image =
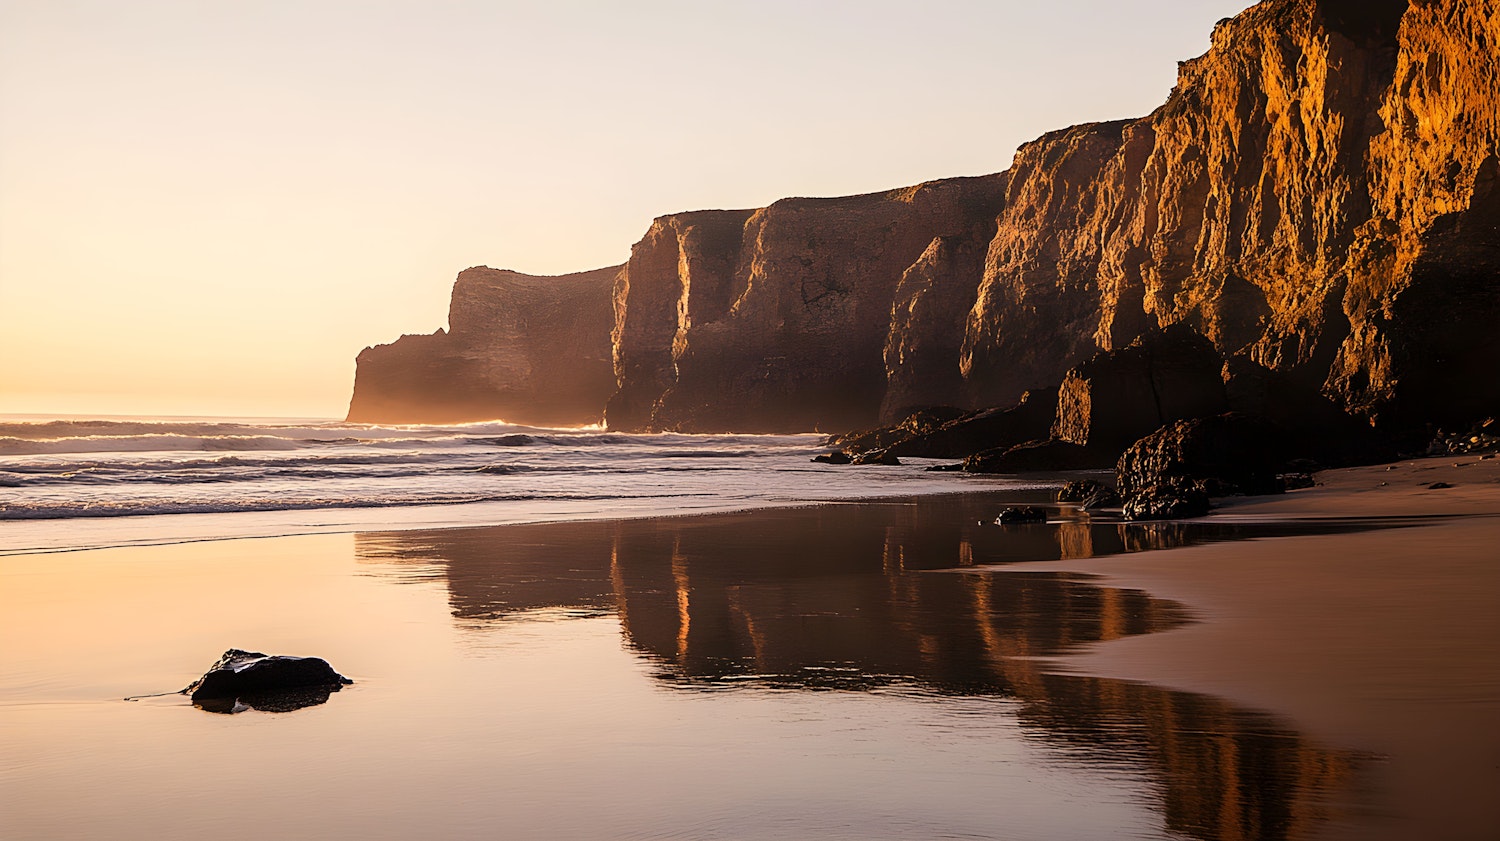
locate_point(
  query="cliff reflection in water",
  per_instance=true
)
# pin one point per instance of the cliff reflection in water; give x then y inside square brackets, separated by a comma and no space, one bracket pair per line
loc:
[864,596]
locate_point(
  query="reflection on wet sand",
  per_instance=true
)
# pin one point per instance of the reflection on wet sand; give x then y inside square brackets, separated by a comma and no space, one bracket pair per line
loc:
[887,596]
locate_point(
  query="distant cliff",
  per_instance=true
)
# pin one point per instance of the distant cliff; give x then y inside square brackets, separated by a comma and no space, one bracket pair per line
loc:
[1320,196]
[531,350]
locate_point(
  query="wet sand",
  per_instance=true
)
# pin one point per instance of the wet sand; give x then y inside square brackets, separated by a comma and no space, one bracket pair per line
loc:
[1384,641]
[837,671]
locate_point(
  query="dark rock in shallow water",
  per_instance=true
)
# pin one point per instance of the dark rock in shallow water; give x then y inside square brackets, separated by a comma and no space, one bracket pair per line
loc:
[1439,486]
[1025,514]
[885,457]
[835,457]
[1105,498]
[1173,501]
[944,432]
[275,683]
[1093,494]
[1039,455]
[1028,420]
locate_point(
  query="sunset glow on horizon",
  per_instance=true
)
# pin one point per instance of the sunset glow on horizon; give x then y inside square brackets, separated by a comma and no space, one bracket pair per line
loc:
[209,209]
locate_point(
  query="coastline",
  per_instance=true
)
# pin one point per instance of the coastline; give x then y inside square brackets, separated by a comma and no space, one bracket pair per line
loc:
[1384,641]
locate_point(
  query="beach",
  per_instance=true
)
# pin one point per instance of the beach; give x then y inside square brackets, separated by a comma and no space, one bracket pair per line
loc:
[880,669]
[1384,641]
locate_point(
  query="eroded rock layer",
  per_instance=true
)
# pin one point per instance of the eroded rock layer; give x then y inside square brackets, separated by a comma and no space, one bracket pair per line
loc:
[521,348]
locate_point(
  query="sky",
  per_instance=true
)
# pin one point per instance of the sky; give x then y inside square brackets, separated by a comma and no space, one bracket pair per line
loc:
[209,207]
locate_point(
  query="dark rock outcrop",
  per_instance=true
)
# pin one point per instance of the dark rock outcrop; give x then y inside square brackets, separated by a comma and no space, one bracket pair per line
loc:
[883,457]
[1089,494]
[1022,514]
[1118,396]
[948,433]
[274,683]
[1039,456]
[525,349]
[1229,453]
[1169,501]
[917,425]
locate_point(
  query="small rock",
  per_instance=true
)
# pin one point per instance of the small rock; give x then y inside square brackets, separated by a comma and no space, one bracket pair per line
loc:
[1022,514]
[273,682]
[1438,486]
[946,468]
[835,457]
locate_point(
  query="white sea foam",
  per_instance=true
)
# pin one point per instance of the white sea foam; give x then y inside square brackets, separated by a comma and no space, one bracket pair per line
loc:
[60,480]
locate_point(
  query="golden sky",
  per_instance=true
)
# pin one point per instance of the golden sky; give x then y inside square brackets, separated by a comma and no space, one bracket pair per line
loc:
[210,207]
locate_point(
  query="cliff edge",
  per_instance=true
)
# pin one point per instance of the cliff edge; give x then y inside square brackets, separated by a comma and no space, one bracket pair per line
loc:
[522,348]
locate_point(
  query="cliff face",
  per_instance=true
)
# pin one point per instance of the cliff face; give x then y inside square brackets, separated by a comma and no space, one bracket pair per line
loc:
[778,318]
[526,349]
[1318,194]
[1319,197]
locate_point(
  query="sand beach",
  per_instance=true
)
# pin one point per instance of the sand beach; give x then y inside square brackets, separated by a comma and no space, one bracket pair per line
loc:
[1385,641]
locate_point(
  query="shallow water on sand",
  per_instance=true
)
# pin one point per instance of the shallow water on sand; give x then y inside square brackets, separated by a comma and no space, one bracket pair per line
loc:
[846,671]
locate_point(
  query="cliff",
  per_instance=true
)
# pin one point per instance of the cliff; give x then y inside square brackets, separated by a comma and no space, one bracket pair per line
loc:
[1319,197]
[777,319]
[526,349]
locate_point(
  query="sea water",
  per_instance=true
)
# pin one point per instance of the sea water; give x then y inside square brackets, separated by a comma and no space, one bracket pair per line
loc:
[89,483]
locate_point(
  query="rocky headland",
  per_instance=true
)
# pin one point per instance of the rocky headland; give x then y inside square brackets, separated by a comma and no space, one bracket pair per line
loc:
[532,350]
[1307,233]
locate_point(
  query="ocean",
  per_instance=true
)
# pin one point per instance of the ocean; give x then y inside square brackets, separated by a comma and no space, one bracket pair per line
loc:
[92,483]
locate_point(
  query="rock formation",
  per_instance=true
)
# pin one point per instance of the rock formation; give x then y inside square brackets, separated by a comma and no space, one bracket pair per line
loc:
[779,319]
[1319,197]
[1119,396]
[1317,194]
[273,683]
[526,349]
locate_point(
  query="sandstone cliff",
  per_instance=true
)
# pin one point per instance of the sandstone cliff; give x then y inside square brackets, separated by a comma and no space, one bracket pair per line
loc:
[1318,194]
[776,319]
[526,349]
[1319,197]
